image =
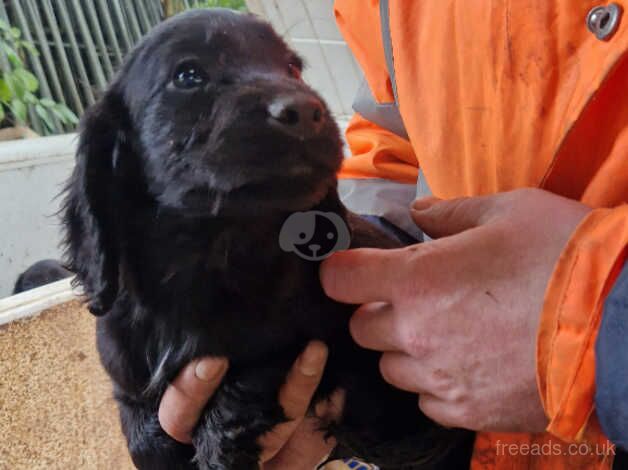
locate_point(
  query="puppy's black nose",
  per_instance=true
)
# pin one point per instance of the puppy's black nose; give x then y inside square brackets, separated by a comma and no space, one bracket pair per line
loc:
[299,116]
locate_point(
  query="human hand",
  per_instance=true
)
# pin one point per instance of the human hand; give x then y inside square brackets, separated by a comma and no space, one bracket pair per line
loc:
[295,444]
[457,318]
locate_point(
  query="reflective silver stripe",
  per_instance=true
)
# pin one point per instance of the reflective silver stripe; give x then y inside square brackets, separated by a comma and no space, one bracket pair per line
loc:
[422,188]
[384,18]
[380,197]
[385,115]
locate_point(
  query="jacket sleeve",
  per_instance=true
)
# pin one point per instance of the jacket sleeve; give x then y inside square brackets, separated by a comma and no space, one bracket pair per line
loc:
[582,279]
[611,356]
[380,175]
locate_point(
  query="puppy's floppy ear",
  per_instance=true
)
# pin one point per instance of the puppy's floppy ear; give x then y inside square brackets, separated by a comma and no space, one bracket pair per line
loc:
[90,210]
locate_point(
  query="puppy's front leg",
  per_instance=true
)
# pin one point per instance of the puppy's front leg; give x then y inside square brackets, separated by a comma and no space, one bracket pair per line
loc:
[244,408]
[150,447]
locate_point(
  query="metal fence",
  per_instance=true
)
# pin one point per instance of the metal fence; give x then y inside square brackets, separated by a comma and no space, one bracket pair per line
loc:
[81,43]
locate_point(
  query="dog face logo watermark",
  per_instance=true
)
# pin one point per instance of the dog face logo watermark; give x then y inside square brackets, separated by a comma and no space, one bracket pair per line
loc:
[314,235]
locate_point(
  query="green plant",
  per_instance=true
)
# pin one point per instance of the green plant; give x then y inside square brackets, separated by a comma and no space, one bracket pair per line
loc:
[233,4]
[18,86]
[174,6]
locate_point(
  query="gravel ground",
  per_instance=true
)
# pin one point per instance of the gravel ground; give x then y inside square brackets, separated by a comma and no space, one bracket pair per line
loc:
[56,409]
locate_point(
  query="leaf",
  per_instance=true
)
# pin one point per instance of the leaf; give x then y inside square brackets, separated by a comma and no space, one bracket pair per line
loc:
[2,113]
[47,102]
[59,115]
[30,48]
[12,55]
[29,80]
[65,114]
[5,91]
[30,98]
[6,47]
[18,109]
[45,116]
[15,33]
[15,61]
[16,86]
[4,26]
[70,116]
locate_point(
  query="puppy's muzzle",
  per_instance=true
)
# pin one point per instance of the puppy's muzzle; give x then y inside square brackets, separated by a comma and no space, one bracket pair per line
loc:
[299,115]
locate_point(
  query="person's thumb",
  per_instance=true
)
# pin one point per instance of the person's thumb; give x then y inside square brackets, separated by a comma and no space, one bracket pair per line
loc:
[185,398]
[439,218]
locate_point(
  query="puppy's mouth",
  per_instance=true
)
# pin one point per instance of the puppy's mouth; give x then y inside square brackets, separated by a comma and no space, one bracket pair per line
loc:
[295,190]
[249,181]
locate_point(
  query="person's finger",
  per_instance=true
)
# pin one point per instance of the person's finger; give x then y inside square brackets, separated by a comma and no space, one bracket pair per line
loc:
[362,275]
[183,401]
[440,218]
[295,397]
[412,375]
[305,449]
[440,411]
[307,446]
[373,326]
[303,378]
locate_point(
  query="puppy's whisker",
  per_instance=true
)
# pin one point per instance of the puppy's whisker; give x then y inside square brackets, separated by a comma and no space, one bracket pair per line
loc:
[193,136]
[216,203]
[157,374]
[185,143]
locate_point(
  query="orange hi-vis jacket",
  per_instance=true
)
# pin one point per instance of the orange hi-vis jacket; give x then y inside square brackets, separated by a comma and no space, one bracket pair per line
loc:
[496,96]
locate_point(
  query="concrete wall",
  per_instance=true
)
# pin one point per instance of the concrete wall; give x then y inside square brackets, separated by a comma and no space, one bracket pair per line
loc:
[32,173]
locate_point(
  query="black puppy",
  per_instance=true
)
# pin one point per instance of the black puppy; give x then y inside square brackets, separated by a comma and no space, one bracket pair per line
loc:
[187,168]
[39,274]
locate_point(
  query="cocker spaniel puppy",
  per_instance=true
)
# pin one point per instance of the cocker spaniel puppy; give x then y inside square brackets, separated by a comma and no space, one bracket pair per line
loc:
[202,147]
[39,274]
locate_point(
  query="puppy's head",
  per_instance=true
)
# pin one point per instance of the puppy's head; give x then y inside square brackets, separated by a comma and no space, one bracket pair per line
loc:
[208,117]
[223,122]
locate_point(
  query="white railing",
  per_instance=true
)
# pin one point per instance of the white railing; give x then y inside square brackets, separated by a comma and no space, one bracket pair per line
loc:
[35,301]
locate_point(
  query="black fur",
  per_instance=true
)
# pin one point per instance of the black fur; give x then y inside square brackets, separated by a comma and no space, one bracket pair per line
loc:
[173,216]
[39,274]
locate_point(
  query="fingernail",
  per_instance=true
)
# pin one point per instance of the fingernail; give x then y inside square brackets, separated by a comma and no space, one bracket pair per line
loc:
[209,369]
[313,359]
[424,203]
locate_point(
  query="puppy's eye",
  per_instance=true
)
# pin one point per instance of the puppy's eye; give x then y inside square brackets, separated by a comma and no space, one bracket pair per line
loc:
[295,71]
[189,75]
